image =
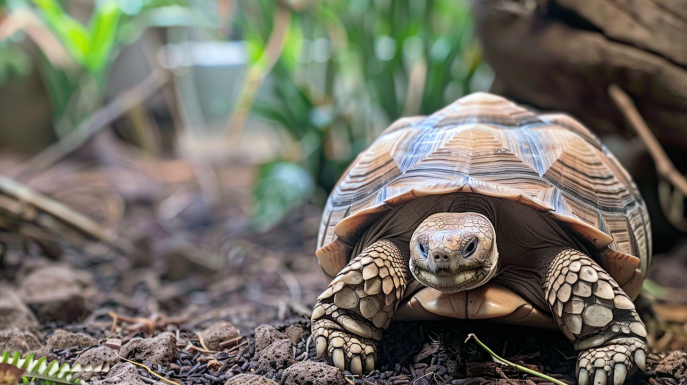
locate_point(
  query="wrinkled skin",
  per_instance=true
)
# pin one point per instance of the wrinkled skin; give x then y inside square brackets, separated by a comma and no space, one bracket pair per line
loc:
[453,252]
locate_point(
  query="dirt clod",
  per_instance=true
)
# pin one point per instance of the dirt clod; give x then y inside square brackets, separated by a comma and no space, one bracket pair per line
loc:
[55,293]
[265,335]
[18,341]
[675,365]
[218,333]
[94,357]
[61,339]
[121,374]
[159,350]
[276,356]
[14,314]
[314,373]
[249,379]
[295,333]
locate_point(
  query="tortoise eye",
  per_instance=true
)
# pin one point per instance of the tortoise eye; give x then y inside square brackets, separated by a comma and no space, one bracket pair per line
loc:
[470,248]
[423,249]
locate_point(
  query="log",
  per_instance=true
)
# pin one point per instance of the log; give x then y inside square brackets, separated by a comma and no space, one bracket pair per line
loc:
[564,54]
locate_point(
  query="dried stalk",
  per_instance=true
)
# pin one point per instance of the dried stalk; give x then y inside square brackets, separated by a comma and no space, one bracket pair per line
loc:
[163,379]
[664,166]
[99,120]
[257,73]
[27,195]
[516,366]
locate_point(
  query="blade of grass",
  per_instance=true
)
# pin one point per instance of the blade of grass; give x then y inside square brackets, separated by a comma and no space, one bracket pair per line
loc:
[149,370]
[516,366]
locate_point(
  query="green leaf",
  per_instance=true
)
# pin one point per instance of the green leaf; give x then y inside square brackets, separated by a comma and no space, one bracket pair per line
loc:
[72,33]
[281,187]
[47,373]
[14,63]
[103,31]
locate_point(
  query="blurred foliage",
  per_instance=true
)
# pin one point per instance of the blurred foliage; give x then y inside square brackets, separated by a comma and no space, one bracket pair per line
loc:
[281,187]
[14,63]
[330,74]
[75,73]
[351,67]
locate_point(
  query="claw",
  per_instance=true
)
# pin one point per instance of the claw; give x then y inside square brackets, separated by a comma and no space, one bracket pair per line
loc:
[369,363]
[583,377]
[320,346]
[601,377]
[338,359]
[620,374]
[640,359]
[356,365]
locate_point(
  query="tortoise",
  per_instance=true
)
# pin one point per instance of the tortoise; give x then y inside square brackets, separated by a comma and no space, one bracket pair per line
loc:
[410,232]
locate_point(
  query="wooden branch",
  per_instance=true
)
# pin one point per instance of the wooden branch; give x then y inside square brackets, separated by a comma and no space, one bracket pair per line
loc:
[96,122]
[664,166]
[27,195]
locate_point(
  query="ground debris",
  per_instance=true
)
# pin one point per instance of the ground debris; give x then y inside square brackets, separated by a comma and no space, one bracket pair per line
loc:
[238,316]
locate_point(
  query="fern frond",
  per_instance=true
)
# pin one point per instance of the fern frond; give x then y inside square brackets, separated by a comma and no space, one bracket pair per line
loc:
[46,372]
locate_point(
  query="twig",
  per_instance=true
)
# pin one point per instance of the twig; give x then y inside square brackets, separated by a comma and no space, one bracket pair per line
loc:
[664,166]
[96,122]
[231,342]
[202,343]
[29,196]
[516,366]
[149,371]
[191,346]
[147,325]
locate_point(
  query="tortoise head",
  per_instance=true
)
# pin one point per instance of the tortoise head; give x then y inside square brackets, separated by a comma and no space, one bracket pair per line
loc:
[452,252]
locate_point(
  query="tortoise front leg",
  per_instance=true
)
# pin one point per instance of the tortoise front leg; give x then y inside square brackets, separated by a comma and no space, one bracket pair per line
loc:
[359,303]
[597,316]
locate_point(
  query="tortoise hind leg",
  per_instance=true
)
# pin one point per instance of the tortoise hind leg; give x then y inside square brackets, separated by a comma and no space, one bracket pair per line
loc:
[358,304]
[594,312]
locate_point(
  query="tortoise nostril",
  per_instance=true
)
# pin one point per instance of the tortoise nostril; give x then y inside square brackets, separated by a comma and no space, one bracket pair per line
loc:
[445,258]
[437,257]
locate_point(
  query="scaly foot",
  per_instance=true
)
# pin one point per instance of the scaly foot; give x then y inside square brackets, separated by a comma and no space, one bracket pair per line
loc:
[614,360]
[347,350]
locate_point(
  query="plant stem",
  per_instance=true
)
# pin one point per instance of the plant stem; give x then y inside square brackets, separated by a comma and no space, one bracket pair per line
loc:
[516,366]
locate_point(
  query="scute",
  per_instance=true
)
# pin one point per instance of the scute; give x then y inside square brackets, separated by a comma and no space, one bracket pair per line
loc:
[485,144]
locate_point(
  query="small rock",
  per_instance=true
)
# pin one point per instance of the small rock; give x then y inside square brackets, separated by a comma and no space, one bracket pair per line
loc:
[46,352]
[113,343]
[121,374]
[276,356]
[311,372]
[295,333]
[265,335]
[61,339]
[14,314]
[159,350]
[95,357]
[18,341]
[249,379]
[218,333]
[56,293]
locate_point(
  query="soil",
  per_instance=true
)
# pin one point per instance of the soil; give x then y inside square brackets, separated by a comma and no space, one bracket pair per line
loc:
[202,299]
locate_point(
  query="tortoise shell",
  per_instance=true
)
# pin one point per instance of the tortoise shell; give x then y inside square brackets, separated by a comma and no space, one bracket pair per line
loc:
[485,144]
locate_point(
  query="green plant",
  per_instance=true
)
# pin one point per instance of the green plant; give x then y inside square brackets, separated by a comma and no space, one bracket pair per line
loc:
[31,371]
[75,72]
[350,67]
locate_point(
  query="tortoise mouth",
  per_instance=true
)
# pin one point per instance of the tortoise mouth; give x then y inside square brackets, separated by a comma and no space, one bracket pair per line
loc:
[457,281]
